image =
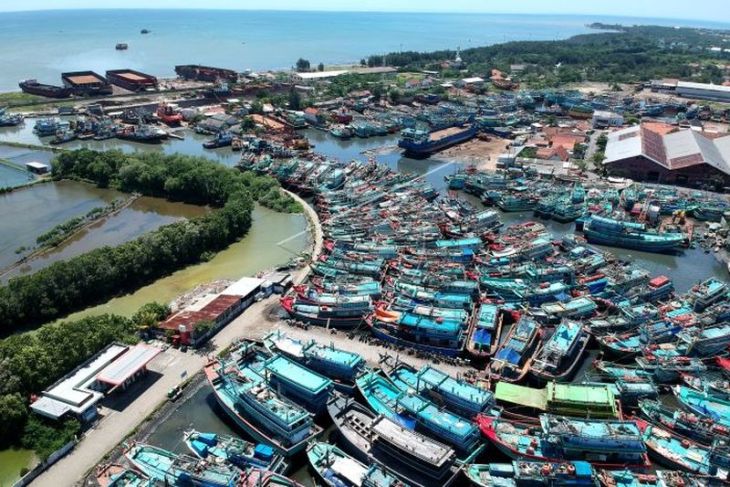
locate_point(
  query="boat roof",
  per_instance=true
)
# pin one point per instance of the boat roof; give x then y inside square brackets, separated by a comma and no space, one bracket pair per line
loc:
[292,372]
[463,390]
[331,354]
[521,395]
[422,447]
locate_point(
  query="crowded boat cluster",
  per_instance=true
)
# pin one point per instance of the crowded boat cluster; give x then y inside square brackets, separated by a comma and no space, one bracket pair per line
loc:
[438,278]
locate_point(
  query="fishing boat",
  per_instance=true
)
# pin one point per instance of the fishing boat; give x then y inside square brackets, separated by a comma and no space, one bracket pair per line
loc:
[514,357]
[594,400]
[420,143]
[337,469]
[617,233]
[669,369]
[708,293]
[680,453]
[114,475]
[577,308]
[660,478]
[613,371]
[561,354]
[343,313]
[257,477]
[712,384]
[259,411]
[221,139]
[485,331]
[10,119]
[416,459]
[169,114]
[415,412]
[163,466]
[436,335]
[298,383]
[703,405]
[706,341]
[525,473]
[341,366]
[456,394]
[605,443]
[699,428]
[141,133]
[233,450]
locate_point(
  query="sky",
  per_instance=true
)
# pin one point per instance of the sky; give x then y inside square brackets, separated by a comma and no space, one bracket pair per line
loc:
[714,10]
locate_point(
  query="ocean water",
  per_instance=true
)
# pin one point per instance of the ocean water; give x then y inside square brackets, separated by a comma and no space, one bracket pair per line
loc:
[44,44]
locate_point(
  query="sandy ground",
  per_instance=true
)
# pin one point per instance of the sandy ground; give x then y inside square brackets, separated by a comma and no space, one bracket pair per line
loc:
[170,368]
[477,152]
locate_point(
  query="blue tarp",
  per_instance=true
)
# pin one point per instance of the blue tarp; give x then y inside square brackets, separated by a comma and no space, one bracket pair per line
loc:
[483,337]
[509,355]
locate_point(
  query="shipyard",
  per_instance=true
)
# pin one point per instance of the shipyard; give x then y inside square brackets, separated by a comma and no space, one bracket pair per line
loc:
[460,267]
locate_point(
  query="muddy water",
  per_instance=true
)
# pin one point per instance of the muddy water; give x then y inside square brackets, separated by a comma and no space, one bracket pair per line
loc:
[259,250]
[142,216]
[27,213]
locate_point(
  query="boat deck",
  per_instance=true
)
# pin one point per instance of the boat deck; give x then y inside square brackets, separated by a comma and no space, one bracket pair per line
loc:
[292,372]
[426,449]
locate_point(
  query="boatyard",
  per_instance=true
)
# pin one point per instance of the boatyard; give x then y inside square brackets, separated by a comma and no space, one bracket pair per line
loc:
[435,273]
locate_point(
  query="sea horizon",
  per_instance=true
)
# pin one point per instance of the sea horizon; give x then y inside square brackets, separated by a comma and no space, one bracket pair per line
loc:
[41,44]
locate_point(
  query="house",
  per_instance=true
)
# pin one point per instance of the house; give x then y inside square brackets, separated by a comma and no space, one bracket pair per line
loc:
[557,153]
[661,153]
[202,318]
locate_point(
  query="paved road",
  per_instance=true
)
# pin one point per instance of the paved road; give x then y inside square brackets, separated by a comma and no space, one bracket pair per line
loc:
[173,368]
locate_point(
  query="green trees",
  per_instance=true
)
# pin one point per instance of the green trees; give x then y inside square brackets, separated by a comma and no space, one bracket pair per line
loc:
[303,65]
[295,100]
[30,362]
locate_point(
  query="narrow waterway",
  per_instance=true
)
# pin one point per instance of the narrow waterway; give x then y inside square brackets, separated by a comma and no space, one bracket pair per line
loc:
[273,239]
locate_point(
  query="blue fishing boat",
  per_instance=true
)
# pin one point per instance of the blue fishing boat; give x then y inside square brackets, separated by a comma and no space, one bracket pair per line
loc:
[681,453]
[298,383]
[435,335]
[233,450]
[456,394]
[414,412]
[702,429]
[703,405]
[257,409]
[535,474]
[708,293]
[420,143]
[115,475]
[513,359]
[485,331]
[660,478]
[706,341]
[342,366]
[166,467]
[561,354]
[617,233]
[605,443]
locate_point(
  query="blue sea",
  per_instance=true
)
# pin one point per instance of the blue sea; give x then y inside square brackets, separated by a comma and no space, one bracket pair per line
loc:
[43,44]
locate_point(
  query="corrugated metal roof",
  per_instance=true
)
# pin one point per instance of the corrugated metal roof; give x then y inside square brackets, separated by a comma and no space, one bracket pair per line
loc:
[128,364]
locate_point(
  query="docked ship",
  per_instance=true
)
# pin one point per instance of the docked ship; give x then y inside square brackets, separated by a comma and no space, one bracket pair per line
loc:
[458,395]
[366,435]
[230,449]
[141,133]
[221,139]
[421,143]
[337,469]
[519,473]
[166,467]
[561,354]
[341,366]
[485,332]
[33,87]
[514,357]
[258,410]
[169,114]
[338,312]
[605,443]
[630,235]
[415,412]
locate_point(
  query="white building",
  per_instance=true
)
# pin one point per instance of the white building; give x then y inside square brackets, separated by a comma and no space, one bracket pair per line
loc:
[703,91]
[603,119]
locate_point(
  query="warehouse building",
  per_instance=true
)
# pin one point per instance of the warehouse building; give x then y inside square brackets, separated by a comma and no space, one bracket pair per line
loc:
[202,318]
[703,91]
[78,392]
[660,153]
